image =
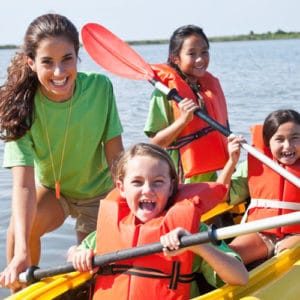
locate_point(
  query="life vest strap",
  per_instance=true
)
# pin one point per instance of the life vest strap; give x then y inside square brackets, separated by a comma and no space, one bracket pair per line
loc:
[274,204]
[268,203]
[174,277]
[184,140]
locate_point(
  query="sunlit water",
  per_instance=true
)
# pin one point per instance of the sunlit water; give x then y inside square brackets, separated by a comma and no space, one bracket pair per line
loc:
[257,77]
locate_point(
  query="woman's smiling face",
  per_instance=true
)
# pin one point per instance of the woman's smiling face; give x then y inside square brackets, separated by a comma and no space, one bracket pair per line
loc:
[55,64]
[146,187]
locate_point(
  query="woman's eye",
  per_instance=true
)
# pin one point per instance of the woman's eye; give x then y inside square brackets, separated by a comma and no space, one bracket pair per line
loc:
[68,58]
[46,62]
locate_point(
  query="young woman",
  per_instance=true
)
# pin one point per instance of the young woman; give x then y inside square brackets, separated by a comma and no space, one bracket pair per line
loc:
[149,205]
[62,133]
[270,193]
[196,148]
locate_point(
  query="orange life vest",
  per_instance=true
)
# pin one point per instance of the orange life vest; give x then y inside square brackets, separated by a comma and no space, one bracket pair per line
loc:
[202,149]
[271,194]
[117,228]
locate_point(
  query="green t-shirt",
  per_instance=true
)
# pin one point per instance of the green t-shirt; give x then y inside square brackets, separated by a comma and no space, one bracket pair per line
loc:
[94,120]
[161,116]
[199,264]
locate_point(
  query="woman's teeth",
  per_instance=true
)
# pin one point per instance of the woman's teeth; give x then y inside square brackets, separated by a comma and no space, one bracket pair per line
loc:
[59,82]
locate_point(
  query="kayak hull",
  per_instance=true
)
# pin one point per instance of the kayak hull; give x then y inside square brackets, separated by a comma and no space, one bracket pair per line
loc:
[52,287]
[276,278]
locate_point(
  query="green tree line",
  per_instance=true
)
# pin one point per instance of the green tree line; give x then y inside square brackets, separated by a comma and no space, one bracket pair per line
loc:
[279,34]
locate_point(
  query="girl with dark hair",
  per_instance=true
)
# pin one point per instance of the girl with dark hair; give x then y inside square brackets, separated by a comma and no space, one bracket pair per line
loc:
[270,193]
[197,149]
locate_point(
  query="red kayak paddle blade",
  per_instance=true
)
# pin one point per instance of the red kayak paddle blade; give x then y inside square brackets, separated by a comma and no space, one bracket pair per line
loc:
[113,54]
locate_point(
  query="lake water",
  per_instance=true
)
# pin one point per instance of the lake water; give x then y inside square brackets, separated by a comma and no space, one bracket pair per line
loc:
[257,77]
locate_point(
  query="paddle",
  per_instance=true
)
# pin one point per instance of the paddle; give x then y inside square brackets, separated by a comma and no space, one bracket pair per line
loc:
[119,58]
[34,274]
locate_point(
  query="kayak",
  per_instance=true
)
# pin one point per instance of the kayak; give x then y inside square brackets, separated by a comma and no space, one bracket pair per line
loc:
[55,287]
[272,279]
[276,278]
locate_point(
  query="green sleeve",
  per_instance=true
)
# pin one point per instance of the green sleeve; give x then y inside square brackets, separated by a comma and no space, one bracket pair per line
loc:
[160,113]
[239,189]
[18,153]
[89,242]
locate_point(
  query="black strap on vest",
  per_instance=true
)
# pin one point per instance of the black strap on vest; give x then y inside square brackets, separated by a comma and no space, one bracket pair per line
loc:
[184,140]
[174,277]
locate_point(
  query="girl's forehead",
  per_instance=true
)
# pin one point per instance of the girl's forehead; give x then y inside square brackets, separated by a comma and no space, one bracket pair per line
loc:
[194,40]
[145,162]
[145,159]
[288,128]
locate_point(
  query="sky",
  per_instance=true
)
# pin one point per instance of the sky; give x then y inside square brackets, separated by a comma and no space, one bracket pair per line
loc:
[155,19]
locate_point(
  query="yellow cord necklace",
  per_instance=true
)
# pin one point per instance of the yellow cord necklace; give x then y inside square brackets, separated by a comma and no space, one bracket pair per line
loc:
[57,178]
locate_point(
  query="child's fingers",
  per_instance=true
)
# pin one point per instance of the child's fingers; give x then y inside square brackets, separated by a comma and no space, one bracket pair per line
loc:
[71,252]
[170,241]
[82,261]
[89,259]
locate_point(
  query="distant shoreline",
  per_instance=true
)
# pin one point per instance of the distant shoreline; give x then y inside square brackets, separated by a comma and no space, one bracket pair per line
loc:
[278,35]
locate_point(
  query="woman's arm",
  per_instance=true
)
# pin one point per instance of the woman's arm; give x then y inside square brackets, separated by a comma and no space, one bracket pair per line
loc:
[23,213]
[113,148]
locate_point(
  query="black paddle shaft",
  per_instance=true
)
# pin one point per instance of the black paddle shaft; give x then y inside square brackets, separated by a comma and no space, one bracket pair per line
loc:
[34,274]
[212,235]
[173,94]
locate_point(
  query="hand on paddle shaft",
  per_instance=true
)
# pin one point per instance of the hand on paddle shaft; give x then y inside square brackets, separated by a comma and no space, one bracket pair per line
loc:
[213,235]
[117,57]
[173,94]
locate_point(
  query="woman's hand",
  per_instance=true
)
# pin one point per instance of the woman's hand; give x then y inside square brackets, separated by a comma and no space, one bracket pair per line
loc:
[9,278]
